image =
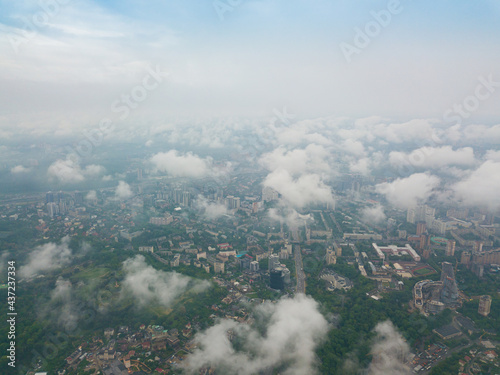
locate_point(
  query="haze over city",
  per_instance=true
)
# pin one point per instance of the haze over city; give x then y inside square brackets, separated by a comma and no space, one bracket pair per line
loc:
[249,187]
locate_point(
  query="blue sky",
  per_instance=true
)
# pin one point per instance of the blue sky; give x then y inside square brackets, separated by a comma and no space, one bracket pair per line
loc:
[261,55]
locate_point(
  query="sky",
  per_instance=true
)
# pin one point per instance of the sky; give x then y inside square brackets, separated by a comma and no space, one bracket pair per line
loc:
[72,61]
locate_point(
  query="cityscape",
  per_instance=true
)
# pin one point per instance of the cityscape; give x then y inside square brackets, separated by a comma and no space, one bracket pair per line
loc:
[249,187]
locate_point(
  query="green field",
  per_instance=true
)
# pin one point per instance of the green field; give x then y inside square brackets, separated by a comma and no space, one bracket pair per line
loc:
[423,271]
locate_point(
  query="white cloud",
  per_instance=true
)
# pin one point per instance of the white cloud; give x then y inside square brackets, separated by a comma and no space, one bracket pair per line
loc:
[19,169]
[148,284]
[481,187]
[91,195]
[411,131]
[376,128]
[353,147]
[407,192]
[289,216]
[47,257]
[187,165]
[301,191]
[69,171]
[492,155]
[64,309]
[433,157]
[361,166]
[389,351]
[210,210]
[123,190]
[288,334]
[373,215]
[313,158]
[482,133]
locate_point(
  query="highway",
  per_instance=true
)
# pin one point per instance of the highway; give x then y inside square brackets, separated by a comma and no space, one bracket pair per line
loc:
[299,270]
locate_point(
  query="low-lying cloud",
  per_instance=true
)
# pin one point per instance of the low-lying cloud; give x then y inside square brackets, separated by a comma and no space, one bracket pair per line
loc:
[123,190]
[47,257]
[289,216]
[433,157]
[285,334]
[374,215]
[69,171]
[389,351]
[187,165]
[210,210]
[407,192]
[301,191]
[481,187]
[148,285]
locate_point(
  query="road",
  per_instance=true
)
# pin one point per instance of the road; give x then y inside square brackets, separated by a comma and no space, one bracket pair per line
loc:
[448,353]
[299,270]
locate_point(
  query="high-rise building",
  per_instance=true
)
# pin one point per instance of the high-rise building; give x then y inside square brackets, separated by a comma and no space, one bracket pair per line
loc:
[49,197]
[421,227]
[288,247]
[487,257]
[52,209]
[269,194]
[331,258]
[219,266]
[254,266]
[450,248]
[276,279]
[186,198]
[178,195]
[477,247]
[439,226]
[78,198]
[423,242]
[421,213]
[244,262]
[484,305]
[465,258]
[286,275]
[232,202]
[449,293]
[411,215]
[274,261]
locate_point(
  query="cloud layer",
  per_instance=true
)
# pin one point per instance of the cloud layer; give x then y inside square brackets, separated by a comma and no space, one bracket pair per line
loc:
[407,192]
[148,285]
[289,332]
[123,190]
[389,351]
[183,165]
[69,171]
[373,215]
[481,187]
[47,257]
[210,210]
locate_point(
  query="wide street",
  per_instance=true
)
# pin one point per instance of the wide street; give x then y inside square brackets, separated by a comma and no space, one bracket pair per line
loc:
[299,268]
